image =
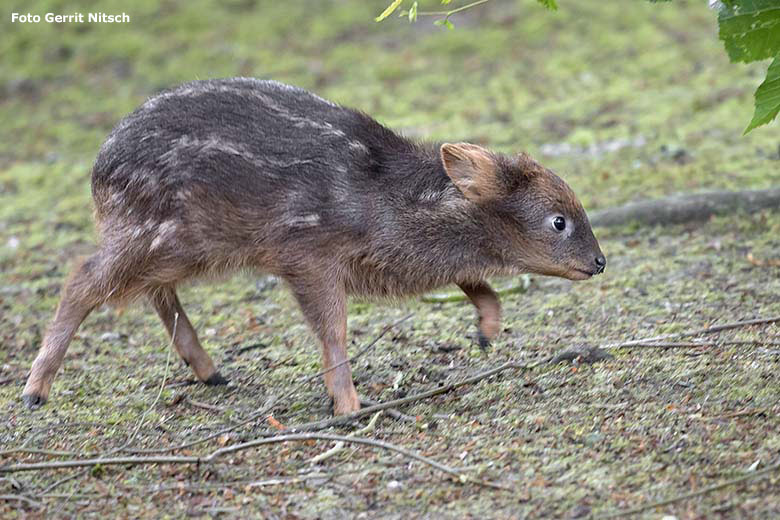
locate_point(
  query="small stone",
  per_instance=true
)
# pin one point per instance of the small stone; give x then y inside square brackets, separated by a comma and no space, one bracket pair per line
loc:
[593,439]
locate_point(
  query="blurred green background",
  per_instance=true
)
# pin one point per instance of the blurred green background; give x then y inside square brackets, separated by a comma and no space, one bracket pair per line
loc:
[625,99]
[626,102]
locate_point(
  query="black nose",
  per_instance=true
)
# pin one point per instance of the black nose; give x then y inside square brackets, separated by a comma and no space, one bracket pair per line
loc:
[601,262]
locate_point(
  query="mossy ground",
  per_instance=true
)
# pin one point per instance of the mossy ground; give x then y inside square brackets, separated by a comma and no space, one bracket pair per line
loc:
[626,103]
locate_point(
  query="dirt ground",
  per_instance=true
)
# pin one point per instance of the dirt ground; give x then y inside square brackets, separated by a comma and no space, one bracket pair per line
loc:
[624,104]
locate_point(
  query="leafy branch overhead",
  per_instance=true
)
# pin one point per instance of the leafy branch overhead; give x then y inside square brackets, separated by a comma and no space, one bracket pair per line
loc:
[750,30]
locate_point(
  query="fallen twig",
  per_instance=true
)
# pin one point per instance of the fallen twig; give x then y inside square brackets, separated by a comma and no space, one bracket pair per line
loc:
[694,344]
[37,451]
[511,288]
[392,412]
[686,334]
[693,494]
[61,481]
[361,352]
[260,413]
[21,498]
[340,445]
[109,461]
[204,406]
[344,419]
[271,402]
[685,208]
[159,392]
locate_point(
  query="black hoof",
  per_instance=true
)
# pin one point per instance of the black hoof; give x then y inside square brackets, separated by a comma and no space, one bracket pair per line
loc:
[33,401]
[216,379]
[484,343]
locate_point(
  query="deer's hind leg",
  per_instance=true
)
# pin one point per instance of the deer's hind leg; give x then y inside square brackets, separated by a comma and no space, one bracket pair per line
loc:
[185,339]
[84,290]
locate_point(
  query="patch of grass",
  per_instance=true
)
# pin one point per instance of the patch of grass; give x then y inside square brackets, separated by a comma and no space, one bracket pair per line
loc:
[626,104]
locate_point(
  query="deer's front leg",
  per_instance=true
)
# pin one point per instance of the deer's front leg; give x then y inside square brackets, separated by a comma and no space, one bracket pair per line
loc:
[325,308]
[488,307]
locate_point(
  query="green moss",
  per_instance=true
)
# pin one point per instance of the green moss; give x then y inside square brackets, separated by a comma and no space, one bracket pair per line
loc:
[626,104]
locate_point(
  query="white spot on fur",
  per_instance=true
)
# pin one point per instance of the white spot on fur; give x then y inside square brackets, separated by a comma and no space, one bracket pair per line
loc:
[303,221]
[358,146]
[137,232]
[189,145]
[163,231]
[429,196]
[116,199]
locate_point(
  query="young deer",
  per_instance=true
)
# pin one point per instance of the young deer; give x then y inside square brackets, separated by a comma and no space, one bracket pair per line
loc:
[220,175]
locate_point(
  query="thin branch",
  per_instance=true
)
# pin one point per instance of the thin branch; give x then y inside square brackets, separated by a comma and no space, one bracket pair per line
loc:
[448,297]
[159,392]
[21,498]
[447,14]
[272,402]
[694,344]
[309,427]
[37,451]
[693,494]
[204,406]
[707,330]
[345,419]
[340,445]
[361,352]
[392,412]
[61,481]
[296,437]
[269,404]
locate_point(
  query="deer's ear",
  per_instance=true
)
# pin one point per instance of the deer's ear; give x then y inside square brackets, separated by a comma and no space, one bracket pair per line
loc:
[527,166]
[473,170]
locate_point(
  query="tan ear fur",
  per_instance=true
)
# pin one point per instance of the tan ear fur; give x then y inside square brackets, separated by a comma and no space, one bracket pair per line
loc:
[472,169]
[527,165]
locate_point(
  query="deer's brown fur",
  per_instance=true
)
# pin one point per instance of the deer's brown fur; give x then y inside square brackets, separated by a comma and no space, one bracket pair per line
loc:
[221,175]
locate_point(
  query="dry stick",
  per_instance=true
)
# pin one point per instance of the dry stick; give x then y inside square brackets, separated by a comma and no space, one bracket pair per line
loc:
[204,406]
[362,351]
[75,463]
[159,392]
[334,421]
[61,481]
[448,297]
[510,365]
[694,344]
[693,494]
[53,453]
[271,402]
[707,330]
[340,445]
[395,414]
[21,498]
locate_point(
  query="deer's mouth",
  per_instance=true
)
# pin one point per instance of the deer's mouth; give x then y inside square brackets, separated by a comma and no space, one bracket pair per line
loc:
[579,274]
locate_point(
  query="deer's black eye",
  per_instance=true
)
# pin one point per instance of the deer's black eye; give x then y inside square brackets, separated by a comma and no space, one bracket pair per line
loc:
[559,223]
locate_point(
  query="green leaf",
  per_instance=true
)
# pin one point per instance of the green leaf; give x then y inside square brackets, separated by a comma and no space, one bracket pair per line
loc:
[549,4]
[445,2]
[750,29]
[767,97]
[387,12]
[413,13]
[445,22]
